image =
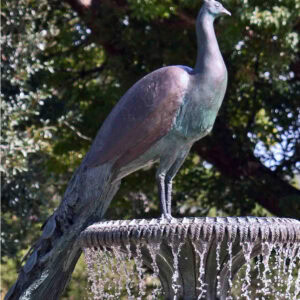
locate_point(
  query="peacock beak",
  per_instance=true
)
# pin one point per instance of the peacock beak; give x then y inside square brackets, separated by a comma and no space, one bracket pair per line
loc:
[225,11]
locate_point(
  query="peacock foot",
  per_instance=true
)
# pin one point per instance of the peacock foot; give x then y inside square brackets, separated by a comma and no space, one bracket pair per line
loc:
[167,217]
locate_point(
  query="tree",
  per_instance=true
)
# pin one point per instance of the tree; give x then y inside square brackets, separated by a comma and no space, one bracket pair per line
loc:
[66,64]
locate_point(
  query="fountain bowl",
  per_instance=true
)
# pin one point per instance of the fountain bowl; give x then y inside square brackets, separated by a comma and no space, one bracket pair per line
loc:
[196,258]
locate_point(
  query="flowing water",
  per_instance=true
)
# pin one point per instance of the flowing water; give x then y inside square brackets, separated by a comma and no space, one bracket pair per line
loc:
[121,273]
[194,258]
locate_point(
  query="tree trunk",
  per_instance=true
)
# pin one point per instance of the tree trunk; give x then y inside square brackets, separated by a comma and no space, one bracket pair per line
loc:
[240,165]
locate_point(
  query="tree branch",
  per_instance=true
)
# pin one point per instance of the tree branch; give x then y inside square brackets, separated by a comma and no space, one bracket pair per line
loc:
[79,134]
[266,188]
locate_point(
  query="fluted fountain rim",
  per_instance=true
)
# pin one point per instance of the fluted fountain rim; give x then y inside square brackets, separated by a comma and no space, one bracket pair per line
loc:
[247,229]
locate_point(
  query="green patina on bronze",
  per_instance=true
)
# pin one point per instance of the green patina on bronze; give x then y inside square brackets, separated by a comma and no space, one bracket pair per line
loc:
[163,114]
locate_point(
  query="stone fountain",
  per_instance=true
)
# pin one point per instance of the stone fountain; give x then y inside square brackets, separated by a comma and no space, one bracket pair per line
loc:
[198,258]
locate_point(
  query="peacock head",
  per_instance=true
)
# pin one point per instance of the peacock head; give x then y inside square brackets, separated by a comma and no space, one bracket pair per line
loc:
[215,8]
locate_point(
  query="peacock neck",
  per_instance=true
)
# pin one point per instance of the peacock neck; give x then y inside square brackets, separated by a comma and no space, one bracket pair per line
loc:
[208,48]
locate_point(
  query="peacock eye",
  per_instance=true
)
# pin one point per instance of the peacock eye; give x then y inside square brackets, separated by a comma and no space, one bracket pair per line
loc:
[217,4]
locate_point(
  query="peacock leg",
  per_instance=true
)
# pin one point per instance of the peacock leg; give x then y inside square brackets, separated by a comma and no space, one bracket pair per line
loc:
[168,187]
[169,178]
[160,177]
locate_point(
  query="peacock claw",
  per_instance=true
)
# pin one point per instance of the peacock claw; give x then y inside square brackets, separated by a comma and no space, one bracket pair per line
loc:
[167,217]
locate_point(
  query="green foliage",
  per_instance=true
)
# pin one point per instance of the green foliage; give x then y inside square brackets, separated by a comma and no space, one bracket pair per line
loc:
[148,10]
[63,73]
[78,288]
[9,267]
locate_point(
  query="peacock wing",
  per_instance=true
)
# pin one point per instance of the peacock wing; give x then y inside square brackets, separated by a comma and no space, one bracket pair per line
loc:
[143,115]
